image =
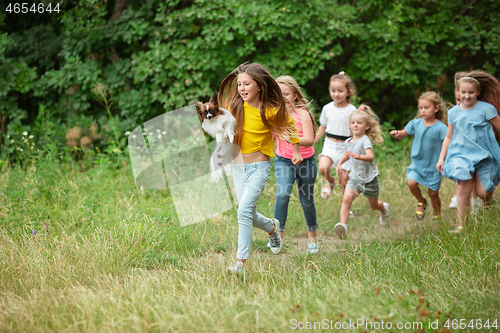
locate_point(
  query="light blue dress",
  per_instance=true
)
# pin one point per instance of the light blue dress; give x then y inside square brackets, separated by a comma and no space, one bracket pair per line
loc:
[425,152]
[473,146]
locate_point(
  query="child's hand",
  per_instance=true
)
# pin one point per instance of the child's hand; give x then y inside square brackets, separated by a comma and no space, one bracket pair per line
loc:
[395,134]
[297,158]
[439,165]
[352,154]
[338,169]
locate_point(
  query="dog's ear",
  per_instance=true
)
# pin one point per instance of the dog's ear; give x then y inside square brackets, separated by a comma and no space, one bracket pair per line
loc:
[214,99]
[198,106]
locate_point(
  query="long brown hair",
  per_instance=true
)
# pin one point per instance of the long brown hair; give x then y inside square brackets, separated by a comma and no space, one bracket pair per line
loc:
[301,101]
[270,97]
[488,86]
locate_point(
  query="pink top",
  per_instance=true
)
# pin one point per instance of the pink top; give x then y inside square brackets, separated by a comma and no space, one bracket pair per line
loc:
[284,149]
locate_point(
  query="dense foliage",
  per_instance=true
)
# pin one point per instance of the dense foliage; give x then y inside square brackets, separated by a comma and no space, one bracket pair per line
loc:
[155,56]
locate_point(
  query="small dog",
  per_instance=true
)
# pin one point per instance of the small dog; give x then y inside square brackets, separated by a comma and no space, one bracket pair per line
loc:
[220,124]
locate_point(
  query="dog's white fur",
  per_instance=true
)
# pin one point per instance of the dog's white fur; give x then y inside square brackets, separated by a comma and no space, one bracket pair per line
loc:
[222,129]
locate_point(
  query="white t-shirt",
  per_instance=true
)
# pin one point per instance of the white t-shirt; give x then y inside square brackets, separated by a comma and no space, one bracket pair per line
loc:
[336,120]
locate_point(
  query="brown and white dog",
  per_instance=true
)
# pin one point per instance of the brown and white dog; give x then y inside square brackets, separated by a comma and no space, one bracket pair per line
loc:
[220,124]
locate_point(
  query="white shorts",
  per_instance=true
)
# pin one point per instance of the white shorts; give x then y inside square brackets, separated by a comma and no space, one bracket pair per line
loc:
[334,150]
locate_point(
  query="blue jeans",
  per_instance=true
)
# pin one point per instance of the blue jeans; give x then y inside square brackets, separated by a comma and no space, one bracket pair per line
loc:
[286,173]
[249,181]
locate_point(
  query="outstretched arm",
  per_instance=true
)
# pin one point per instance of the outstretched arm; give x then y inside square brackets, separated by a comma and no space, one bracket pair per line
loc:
[401,134]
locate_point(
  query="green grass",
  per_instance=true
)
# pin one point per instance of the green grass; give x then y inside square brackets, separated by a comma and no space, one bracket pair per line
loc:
[85,250]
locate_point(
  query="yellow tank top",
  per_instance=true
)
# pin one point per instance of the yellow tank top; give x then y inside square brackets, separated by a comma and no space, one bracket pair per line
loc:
[256,136]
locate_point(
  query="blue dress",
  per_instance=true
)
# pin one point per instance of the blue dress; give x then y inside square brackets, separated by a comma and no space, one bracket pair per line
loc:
[473,146]
[425,152]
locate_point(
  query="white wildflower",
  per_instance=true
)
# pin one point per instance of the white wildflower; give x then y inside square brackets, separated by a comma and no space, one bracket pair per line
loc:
[25,133]
[127,133]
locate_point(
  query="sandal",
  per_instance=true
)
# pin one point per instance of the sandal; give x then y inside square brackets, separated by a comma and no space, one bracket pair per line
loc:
[327,190]
[419,214]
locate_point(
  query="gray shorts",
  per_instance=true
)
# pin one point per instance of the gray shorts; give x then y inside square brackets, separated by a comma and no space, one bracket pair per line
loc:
[369,190]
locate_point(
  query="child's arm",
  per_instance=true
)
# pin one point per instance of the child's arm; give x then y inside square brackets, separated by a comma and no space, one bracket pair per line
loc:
[320,134]
[296,157]
[307,139]
[399,134]
[495,121]
[339,165]
[368,157]
[444,148]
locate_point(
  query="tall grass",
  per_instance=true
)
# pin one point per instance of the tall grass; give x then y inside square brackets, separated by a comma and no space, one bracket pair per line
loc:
[83,249]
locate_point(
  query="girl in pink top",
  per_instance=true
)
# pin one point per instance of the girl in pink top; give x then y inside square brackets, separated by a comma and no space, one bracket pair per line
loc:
[305,173]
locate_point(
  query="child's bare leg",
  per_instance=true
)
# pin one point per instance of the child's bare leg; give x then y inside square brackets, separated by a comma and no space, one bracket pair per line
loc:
[415,190]
[480,191]
[376,204]
[312,236]
[324,165]
[349,196]
[343,179]
[436,201]
[464,189]
[474,182]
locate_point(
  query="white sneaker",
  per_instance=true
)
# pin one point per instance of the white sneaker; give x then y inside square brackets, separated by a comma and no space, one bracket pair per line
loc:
[351,214]
[384,218]
[341,230]
[275,239]
[238,268]
[453,203]
[456,231]
[476,203]
[313,248]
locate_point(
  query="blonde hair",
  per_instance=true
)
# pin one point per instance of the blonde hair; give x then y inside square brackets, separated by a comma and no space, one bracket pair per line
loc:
[374,132]
[270,97]
[301,101]
[435,99]
[351,88]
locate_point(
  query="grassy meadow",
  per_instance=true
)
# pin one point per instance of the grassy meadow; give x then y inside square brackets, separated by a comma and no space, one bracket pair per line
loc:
[82,249]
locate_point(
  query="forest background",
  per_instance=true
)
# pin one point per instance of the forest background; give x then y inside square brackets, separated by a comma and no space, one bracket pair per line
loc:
[85,75]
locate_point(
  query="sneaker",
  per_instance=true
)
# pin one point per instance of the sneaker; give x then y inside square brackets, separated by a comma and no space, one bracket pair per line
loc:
[456,231]
[351,214]
[312,248]
[275,239]
[341,230]
[476,203]
[453,203]
[384,218]
[238,268]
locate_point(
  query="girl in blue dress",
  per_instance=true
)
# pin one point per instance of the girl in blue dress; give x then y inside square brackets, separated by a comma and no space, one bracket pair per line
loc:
[470,150]
[429,131]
